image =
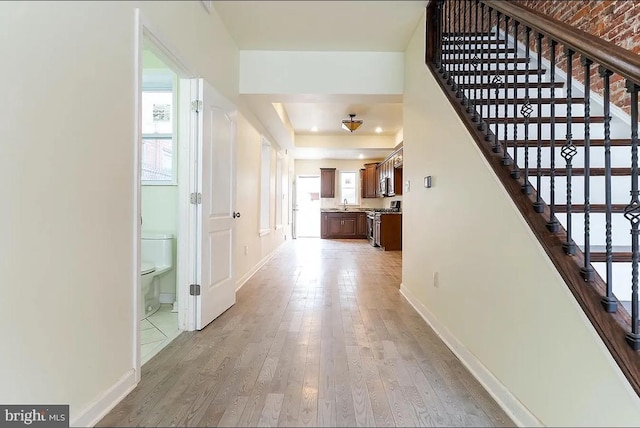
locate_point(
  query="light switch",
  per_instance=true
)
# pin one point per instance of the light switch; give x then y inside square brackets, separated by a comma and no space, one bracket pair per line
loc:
[427,182]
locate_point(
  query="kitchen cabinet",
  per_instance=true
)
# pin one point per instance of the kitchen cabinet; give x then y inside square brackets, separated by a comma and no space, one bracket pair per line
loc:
[340,225]
[327,182]
[390,170]
[362,225]
[370,181]
[387,231]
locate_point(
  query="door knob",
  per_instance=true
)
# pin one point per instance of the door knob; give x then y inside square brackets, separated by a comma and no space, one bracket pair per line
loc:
[236,215]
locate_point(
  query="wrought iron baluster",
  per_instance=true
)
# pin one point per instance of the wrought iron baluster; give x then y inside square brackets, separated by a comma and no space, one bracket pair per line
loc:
[464,76]
[475,63]
[480,102]
[632,213]
[487,73]
[439,40]
[568,151]
[609,302]
[538,205]
[447,55]
[526,111]
[506,160]
[552,224]
[450,38]
[457,45]
[515,172]
[496,82]
[587,271]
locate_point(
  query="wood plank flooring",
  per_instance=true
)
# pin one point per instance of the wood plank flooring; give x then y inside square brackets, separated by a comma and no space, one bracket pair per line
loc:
[320,336]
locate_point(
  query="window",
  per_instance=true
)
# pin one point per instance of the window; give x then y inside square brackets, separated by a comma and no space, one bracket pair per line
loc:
[158,149]
[265,188]
[279,190]
[348,186]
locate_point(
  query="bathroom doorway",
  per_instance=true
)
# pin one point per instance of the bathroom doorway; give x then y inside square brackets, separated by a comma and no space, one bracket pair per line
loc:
[159,207]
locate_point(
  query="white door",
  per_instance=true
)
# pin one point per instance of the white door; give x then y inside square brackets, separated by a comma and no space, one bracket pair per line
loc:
[216,217]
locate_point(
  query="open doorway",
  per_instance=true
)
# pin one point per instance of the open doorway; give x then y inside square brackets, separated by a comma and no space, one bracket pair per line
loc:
[159,196]
[307,210]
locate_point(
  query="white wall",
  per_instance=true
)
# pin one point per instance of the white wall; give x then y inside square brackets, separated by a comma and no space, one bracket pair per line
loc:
[499,297]
[159,206]
[66,167]
[258,248]
[293,72]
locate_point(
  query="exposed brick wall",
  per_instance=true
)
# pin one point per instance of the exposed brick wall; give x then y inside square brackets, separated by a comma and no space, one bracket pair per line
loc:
[616,21]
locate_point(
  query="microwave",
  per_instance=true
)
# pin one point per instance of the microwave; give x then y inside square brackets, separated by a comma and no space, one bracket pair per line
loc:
[383,186]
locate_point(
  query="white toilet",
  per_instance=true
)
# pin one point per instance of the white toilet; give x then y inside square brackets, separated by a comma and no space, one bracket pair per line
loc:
[157,259]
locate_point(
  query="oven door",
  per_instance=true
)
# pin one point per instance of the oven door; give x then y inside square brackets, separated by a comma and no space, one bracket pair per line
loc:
[370,228]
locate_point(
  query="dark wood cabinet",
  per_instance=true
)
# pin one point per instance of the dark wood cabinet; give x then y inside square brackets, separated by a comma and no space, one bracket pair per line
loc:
[387,231]
[370,181]
[337,225]
[362,225]
[390,170]
[327,182]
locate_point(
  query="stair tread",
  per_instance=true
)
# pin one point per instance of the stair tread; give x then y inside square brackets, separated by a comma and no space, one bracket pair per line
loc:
[576,172]
[545,119]
[534,101]
[532,86]
[593,208]
[493,60]
[594,142]
[518,72]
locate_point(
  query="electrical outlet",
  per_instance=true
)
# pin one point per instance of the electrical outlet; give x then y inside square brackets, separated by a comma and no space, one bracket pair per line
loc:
[246,250]
[436,279]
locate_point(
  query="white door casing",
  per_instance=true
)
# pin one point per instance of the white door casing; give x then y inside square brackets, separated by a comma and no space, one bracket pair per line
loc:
[215,272]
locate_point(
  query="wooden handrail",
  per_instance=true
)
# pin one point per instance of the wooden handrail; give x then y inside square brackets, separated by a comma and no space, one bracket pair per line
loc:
[616,59]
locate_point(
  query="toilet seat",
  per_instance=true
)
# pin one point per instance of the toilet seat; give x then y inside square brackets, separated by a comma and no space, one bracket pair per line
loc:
[147,267]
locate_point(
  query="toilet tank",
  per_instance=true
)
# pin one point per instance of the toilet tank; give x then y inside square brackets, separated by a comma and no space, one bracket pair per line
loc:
[157,248]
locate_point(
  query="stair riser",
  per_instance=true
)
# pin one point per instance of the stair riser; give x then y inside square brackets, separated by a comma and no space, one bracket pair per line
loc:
[596,131]
[510,78]
[619,228]
[621,278]
[577,110]
[620,186]
[620,156]
[485,93]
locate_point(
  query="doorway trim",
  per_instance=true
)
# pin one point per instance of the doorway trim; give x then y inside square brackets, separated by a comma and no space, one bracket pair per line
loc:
[147,35]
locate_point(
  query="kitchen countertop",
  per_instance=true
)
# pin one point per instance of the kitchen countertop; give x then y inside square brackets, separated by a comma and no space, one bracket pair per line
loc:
[342,210]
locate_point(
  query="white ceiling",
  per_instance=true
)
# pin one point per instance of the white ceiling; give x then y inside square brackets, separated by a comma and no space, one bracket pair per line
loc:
[327,25]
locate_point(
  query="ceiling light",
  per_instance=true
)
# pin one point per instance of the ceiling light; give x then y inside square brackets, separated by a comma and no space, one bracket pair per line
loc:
[378,130]
[361,156]
[314,129]
[350,124]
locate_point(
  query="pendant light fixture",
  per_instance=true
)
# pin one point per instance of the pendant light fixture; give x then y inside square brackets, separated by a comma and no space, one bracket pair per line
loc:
[350,124]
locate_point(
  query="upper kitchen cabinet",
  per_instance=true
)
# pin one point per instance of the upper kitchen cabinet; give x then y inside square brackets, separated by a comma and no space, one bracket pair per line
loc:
[327,182]
[389,173]
[370,181]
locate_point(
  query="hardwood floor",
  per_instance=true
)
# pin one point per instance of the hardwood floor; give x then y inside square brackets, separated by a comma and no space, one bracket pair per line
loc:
[320,336]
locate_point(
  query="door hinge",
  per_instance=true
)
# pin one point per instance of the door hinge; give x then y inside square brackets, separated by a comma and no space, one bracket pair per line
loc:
[194,289]
[196,106]
[196,198]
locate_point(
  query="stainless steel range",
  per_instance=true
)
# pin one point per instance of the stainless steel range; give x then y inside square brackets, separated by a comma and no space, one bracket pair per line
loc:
[373,217]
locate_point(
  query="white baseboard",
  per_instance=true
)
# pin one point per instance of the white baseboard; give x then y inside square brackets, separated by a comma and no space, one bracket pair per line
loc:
[105,403]
[167,297]
[517,411]
[256,268]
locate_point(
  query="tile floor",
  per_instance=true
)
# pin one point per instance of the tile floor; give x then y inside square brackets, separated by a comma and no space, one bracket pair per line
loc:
[158,330]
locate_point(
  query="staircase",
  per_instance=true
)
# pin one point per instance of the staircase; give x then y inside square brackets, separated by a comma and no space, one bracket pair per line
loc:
[564,151]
